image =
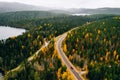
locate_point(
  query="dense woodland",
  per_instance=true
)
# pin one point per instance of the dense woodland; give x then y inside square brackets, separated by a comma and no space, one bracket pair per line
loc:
[15,50]
[29,19]
[43,67]
[95,47]
[10,18]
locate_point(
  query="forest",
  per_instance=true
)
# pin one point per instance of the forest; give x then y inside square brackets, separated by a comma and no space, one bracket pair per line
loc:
[15,51]
[95,47]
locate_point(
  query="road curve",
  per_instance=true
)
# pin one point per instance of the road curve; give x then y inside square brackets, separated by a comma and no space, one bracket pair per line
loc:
[64,58]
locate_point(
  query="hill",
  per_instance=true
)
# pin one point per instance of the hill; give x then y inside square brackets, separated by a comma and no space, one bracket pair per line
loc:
[14,6]
[95,47]
[11,18]
[95,11]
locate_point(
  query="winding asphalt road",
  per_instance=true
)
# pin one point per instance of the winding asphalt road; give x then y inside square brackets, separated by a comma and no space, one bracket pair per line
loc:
[65,59]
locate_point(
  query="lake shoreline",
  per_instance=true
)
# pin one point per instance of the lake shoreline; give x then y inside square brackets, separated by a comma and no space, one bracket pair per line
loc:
[7,32]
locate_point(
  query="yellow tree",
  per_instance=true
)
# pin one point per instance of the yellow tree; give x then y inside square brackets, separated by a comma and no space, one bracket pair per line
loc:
[65,47]
[115,53]
[59,73]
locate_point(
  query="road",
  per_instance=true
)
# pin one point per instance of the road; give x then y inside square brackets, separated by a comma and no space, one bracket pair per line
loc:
[65,59]
[1,76]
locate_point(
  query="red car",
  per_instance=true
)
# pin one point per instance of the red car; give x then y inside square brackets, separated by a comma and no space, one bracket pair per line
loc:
[71,67]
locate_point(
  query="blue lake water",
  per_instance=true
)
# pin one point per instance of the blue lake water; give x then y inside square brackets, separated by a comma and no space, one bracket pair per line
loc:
[6,32]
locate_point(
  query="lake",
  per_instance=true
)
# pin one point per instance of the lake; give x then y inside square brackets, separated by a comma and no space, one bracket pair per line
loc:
[80,14]
[6,32]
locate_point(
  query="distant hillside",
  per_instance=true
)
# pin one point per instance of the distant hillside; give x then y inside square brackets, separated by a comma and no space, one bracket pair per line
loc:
[95,11]
[28,14]
[22,16]
[12,7]
[115,11]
